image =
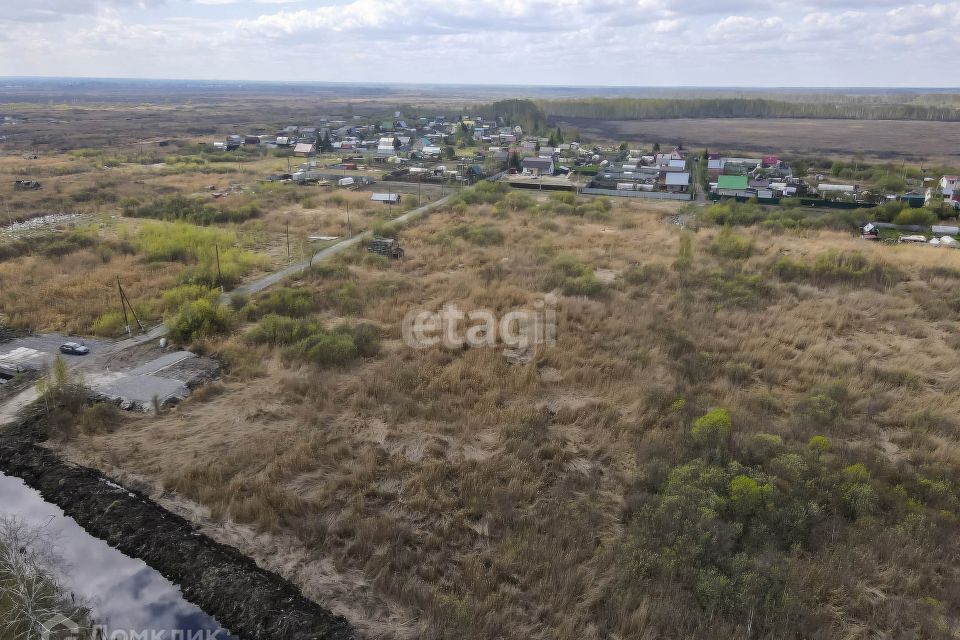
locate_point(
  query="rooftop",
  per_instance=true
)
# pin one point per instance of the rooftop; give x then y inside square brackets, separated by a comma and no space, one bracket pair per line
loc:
[732,182]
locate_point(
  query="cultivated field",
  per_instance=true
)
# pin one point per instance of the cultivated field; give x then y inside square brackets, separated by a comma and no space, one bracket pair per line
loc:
[743,433]
[931,142]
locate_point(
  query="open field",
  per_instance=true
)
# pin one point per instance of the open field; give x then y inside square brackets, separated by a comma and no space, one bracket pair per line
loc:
[738,433]
[912,141]
[61,275]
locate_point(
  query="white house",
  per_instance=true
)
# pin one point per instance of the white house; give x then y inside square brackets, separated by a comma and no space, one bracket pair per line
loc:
[950,188]
[538,166]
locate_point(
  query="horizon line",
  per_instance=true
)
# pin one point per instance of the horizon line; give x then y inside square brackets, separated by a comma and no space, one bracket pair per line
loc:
[378,83]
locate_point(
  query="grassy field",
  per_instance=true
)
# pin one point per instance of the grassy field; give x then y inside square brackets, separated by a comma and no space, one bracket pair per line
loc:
[155,222]
[932,142]
[739,433]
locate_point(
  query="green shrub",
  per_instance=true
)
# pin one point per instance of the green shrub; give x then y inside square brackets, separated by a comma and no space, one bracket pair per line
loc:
[198,247]
[347,299]
[307,341]
[109,325]
[573,278]
[484,193]
[516,201]
[919,217]
[386,229]
[646,274]
[287,301]
[184,293]
[199,319]
[190,210]
[711,432]
[732,288]
[836,267]
[329,270]
[326,348]
[481,235]
[729,245]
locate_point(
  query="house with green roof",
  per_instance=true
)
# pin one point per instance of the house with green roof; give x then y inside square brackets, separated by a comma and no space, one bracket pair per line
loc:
[732,183]
[732,186]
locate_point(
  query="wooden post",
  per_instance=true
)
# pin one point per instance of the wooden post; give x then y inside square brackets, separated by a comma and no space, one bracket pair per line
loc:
[216,248]
[123,307]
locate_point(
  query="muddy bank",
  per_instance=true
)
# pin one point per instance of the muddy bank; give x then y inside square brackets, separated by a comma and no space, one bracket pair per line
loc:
[251,602]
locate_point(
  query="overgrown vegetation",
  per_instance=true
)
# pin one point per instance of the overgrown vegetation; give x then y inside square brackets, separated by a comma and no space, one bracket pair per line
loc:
[573,278]
[307,341]
[192,210]
[212,256]
[834,267]
[747,214]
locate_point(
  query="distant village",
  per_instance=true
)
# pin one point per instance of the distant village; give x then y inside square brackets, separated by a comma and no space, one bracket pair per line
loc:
[469,148]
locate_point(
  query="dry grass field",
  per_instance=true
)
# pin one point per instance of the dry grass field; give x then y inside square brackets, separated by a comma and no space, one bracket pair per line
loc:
[62,276]
[930,142]
[746,433]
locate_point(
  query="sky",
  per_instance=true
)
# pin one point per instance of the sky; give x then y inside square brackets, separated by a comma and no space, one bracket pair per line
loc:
[821,43]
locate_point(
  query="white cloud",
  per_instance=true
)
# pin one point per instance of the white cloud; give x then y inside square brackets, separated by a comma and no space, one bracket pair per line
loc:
[885,42]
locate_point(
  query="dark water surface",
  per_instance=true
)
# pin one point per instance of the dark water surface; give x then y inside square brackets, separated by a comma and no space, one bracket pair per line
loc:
[125,594]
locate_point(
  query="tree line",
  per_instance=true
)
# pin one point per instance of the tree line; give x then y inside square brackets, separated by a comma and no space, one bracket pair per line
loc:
[643,108]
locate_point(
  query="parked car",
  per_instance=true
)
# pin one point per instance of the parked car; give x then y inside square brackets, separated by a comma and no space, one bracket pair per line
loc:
[74,349]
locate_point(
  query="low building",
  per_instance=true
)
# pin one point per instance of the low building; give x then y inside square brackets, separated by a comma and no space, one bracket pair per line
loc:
[386,198]
[676,182]
[832,190]
[913,199]
[732,186]
[304,149]
[538,166]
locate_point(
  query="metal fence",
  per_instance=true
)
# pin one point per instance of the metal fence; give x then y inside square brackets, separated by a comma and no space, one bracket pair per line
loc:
[650,195]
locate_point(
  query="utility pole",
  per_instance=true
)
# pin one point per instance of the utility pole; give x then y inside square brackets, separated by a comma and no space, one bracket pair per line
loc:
[125,300]
[123,306]
[419,190]
[219,272]
[288,243]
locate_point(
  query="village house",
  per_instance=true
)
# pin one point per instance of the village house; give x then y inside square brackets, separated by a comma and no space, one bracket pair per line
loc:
[304,149]
[538,166]
[676,182]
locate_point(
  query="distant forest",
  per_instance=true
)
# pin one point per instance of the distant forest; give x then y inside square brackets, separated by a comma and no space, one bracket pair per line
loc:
[643,108]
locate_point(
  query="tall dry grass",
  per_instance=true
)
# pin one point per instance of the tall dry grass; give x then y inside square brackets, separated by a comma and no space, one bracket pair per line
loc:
[490,499]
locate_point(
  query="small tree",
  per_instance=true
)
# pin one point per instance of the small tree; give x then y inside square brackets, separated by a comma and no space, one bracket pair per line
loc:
[711,432]
[325,144]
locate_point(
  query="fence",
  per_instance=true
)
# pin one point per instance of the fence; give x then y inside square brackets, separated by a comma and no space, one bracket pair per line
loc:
[650,195]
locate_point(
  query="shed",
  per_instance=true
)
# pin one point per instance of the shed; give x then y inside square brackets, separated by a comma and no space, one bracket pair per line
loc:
[386,198]
[914,199]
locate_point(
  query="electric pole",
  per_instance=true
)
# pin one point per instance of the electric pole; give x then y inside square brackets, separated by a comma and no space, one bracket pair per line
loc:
[219,272]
